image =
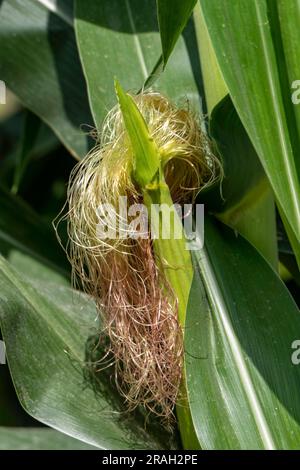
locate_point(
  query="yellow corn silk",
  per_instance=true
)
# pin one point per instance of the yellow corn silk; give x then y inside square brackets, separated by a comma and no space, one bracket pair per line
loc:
[154,154]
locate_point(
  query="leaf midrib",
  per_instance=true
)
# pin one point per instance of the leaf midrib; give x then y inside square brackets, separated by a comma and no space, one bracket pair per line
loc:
[284,148]
[217,299]
[24,248]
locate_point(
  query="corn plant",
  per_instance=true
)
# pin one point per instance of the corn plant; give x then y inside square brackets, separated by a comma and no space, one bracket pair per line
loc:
[139,343]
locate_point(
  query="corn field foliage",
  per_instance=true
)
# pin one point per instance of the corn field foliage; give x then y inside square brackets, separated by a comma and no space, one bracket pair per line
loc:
[236,65]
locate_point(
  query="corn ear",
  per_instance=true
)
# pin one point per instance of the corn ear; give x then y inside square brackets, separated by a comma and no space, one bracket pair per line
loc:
[171,254]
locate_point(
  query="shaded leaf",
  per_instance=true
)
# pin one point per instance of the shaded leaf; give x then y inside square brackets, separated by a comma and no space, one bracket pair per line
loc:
[122,39]
[31,128]
[243,199]
[21,229]
[50,332]
[172,18]
[242,170]
[38,439]
[50,83]
[255,61]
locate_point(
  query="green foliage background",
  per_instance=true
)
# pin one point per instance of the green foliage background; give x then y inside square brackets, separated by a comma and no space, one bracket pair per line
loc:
[234,61]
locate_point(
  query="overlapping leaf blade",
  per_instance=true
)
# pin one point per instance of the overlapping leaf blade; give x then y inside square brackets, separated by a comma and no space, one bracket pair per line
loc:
[253,42]
[172,18]
[241,322]
[22,230]
[243,198]
[241,168]
[39,62]
[50,332]
[121,39]
[38,439]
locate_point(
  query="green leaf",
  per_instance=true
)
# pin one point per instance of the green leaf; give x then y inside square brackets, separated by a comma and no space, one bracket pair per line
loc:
[50,332]
[214,85]
[245,201]
[243,172]
[31,128]
[22,230]
[253,42]
[38,439]
[23,149]
[39,63]
[122,39]
[172,18]
[241,323]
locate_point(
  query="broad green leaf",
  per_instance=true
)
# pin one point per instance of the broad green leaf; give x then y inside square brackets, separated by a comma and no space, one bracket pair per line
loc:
[51,333]
[252,213]
[241,323]
[33,268]
[38,439]
[253,41]
[22,230]
[214,85]
[122,39]
[242,169]
[244,200]
[39,62]
[172,18]
[285,17]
